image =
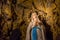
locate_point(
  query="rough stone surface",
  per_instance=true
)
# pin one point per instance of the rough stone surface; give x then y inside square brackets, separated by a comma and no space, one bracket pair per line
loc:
[16,14]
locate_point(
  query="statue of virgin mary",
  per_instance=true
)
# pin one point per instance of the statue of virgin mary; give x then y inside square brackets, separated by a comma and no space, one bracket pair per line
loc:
[35,30]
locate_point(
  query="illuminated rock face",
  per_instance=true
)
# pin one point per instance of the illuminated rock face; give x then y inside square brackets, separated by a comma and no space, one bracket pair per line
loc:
[16,14]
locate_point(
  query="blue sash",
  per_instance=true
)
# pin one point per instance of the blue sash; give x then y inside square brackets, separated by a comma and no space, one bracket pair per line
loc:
[34,32]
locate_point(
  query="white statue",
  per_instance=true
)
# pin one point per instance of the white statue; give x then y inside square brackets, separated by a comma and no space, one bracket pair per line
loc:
[35,29]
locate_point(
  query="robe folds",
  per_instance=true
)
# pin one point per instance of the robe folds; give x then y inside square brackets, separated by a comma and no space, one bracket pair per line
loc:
[35,33]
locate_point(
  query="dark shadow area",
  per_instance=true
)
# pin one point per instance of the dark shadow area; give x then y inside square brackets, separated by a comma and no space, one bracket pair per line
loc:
[15,35]
[1,25]
[49,34]
[23,22]
[58,37]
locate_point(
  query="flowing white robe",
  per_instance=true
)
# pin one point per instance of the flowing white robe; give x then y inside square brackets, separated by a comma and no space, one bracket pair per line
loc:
[39,33]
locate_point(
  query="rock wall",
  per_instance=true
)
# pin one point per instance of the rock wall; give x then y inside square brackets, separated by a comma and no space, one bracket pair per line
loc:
[17,13]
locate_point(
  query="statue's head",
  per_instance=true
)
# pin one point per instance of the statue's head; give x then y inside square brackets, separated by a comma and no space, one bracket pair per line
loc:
[34,17]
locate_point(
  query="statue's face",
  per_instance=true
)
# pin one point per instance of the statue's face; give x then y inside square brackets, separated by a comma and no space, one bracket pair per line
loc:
[34,17]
